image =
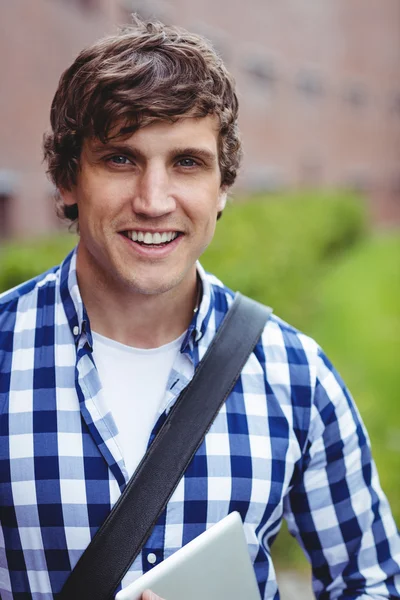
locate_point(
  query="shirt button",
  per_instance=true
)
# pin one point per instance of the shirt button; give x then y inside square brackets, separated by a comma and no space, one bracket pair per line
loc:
[152,558]
[75,330]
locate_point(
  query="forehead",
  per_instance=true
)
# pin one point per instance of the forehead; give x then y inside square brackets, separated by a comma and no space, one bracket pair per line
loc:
[186,130]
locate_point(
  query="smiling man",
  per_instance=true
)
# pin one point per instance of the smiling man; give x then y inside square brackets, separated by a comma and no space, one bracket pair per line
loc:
[147,205]
[143,149]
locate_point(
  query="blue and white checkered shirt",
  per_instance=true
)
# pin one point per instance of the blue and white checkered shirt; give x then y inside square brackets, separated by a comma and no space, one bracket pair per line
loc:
[288,443]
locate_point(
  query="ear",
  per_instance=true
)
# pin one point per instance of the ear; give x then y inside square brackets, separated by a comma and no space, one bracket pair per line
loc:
[222,197]
[68,196]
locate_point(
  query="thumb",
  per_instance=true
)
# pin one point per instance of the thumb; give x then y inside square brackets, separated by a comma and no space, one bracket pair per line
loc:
[149,595]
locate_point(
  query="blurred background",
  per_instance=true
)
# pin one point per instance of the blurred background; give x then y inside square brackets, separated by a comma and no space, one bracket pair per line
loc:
[313,226]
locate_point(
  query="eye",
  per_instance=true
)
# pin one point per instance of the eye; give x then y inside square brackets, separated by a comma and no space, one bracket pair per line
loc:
[119,159]
[187,162]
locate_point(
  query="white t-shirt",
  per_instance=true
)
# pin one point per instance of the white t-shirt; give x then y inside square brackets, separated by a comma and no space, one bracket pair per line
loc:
[134,381]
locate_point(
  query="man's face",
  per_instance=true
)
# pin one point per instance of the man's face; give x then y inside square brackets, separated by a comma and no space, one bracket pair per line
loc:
[148,205]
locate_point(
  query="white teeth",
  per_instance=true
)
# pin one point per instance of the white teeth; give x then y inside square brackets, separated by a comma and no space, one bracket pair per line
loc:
[153,238]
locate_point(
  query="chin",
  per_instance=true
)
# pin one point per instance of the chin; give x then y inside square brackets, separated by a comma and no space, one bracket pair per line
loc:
[148,288]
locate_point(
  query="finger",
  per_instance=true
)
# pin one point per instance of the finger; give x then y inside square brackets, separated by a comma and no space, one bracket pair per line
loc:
[149,595]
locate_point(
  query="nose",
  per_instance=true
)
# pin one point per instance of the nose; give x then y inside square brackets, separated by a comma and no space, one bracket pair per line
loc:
[152,195]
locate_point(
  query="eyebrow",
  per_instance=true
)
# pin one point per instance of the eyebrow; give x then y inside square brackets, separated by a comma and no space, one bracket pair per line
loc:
[98,148]
[207,155]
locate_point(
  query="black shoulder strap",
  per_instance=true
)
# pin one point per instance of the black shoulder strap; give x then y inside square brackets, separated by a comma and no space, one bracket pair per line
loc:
[122,536]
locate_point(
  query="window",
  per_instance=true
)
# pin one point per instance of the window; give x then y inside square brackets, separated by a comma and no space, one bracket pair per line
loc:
[8,182]
[396,185]
[355,95]
[262,70]
[5,225]
[395,104]
[309,84]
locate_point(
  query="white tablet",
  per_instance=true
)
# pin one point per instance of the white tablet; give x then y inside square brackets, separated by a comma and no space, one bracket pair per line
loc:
[215,565]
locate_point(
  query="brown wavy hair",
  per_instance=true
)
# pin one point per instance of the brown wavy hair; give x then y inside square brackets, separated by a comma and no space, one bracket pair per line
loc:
[147,71]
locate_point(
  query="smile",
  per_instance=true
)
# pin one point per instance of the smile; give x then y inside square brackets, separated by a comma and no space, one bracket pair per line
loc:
[151,239]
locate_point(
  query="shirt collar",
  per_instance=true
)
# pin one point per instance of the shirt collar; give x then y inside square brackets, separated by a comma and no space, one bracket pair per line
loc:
[71,298]
[201,317]
[78,319]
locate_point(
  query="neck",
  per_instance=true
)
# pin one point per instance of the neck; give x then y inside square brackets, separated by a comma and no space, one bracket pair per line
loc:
[139,320]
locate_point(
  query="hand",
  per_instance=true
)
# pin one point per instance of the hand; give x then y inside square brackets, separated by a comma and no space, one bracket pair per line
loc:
[149,595]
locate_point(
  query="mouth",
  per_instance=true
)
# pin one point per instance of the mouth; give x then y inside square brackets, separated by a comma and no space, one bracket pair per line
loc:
[149,239]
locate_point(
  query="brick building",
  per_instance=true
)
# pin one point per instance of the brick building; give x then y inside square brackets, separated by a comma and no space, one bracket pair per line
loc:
[319,84]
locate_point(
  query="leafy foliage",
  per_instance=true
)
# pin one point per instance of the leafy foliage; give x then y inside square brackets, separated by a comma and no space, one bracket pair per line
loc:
[275,249]
[20,261]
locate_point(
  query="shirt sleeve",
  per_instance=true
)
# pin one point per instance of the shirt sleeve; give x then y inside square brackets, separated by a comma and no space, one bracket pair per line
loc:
[336,508]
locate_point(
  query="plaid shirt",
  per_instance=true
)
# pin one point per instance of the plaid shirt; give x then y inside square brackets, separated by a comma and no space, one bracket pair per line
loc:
[288,443]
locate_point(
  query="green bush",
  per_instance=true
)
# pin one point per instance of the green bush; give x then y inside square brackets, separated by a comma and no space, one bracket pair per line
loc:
[20,261]
[274,249]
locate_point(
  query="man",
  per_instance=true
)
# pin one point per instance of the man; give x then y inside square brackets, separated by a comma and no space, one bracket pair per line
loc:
[143,149]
